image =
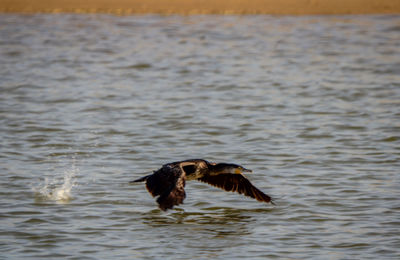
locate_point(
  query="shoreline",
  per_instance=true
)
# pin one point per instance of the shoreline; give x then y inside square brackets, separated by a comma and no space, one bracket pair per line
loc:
[193,7]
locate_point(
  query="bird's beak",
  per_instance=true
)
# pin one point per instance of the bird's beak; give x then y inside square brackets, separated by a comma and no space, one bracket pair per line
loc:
[247,170]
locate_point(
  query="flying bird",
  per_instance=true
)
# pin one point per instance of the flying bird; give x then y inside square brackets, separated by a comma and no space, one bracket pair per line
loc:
[168,182]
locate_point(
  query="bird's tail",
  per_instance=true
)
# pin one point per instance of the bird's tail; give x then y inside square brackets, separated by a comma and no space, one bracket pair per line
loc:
[144,178]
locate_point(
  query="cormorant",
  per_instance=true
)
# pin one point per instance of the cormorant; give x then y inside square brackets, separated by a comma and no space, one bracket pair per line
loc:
[169,181]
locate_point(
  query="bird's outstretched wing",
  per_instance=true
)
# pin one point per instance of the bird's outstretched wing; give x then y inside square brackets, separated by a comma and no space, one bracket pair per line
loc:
[169,184]
[236,183]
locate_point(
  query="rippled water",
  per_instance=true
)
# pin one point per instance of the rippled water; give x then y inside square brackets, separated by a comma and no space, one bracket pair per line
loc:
[90,102]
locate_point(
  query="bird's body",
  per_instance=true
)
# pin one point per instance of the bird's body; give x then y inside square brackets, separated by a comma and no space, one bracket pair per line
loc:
[168,182]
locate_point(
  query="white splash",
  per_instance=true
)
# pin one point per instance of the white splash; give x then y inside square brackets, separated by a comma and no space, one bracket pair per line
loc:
[56,191]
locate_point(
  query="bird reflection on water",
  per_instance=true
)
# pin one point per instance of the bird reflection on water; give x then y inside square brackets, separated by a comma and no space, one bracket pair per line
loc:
[218,221]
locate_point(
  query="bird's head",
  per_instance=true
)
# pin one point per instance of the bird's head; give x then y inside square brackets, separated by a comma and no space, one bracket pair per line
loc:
[229,168]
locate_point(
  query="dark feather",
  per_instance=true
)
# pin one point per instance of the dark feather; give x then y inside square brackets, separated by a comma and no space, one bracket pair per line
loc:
[141,179]
[168,183]
[236,183]
[173,197]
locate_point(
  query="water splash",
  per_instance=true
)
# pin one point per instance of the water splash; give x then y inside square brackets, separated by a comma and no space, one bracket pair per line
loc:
[56,190]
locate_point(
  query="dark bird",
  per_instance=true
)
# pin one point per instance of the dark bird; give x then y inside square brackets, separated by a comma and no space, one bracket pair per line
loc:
[169,181]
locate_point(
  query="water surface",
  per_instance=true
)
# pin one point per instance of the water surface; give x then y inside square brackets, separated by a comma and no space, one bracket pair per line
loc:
[90,102]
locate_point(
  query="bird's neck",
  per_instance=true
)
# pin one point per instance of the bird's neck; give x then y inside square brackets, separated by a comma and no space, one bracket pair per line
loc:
[213,170]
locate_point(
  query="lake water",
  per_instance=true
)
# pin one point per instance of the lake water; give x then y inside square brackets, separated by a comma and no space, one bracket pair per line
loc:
[89,102]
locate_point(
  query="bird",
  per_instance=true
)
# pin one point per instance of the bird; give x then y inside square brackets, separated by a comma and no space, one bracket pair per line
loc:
[168,182]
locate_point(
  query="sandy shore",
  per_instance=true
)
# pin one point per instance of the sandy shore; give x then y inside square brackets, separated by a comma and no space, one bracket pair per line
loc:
[292,7]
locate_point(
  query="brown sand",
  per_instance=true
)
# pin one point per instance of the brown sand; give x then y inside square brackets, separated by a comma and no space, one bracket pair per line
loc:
[291,7]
